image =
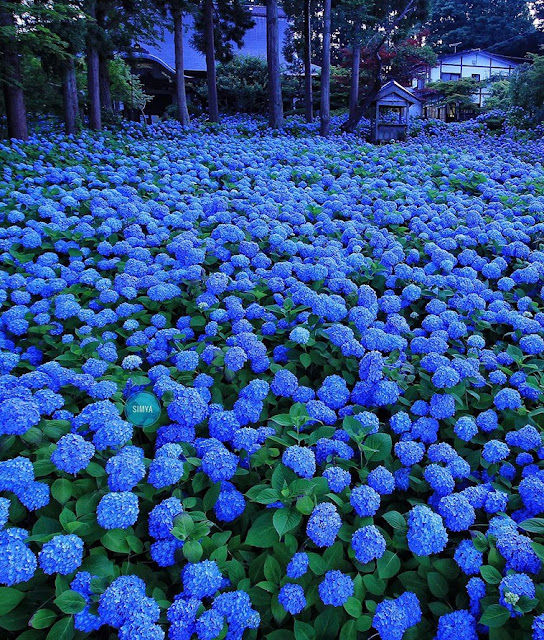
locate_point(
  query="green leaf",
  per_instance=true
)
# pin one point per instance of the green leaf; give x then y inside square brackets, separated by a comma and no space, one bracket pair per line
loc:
[61,490]
[388,565]
[533,525]
[495,616]
[70,602]
[305,505]
[9,599]
[263,533]
[364,623]
[376,586]
[490,574]
[395,519]
[267,496]
[353,607]
[98,565]
[63,630]
[304,631]
[438,585]
[279,476]
[349,631]
[306,360]
[439,608]
[116,541]
[95,470]
[42,619]
[327,624]
[192,550]
[284,420]
[285,519]
[210,497]
[480,541]
[381,443]
[272,569]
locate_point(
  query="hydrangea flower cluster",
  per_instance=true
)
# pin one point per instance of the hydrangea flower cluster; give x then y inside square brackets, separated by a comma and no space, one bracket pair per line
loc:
[346,349]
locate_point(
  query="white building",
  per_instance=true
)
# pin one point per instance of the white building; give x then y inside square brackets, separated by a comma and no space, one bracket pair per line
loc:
[475,64]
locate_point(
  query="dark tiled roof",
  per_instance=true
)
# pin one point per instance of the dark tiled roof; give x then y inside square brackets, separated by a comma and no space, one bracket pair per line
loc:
[254,43]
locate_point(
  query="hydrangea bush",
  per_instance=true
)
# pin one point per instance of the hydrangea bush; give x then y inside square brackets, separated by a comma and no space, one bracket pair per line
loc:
[347,344]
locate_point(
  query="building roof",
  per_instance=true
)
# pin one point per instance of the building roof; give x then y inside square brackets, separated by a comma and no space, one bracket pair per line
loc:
[194,61]
[493,56]
[393,89]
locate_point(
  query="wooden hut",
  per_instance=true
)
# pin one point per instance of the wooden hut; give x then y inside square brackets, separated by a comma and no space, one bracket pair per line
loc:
[391,112]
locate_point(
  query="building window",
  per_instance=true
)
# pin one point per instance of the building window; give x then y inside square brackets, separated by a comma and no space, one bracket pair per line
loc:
[449,76]
[476,76]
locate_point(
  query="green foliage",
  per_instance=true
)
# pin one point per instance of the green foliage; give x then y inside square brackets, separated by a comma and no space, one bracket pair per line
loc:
[527,89]
[125,86]
[477,24]
[232,19]
[242,85]
[455,92]
[499,97]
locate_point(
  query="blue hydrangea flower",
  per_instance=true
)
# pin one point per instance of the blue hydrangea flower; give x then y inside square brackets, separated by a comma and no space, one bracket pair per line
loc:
[458,625]
[468,558]
[368,544]
[201,579]
[117,510]
[73,453]
[301,460]
[393,617]
[426,532]
[298,565]
[323,524]
[292,599]
[17,416]
[365,500]
[337,478]
[62,554]
[335,588]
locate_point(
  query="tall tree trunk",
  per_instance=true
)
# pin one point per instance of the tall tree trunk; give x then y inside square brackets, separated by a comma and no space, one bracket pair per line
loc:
[275,101]
[183,112]
[388,29]
[69,96]
[93,75]
[213,105]
[354,89]
[106,102]
[325,114]
[308,93]
[12,80]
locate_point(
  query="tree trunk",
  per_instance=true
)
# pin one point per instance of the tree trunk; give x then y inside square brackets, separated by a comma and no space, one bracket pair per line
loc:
[70,97]
[213,106]
[106,102]
[354,89]
[308,93]
[12,80]
[325,114]
[354,119]
[93,76]
[183,112]
[275,101]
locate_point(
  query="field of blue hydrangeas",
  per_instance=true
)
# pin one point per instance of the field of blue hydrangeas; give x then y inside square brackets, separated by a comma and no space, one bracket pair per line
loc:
[347,343]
